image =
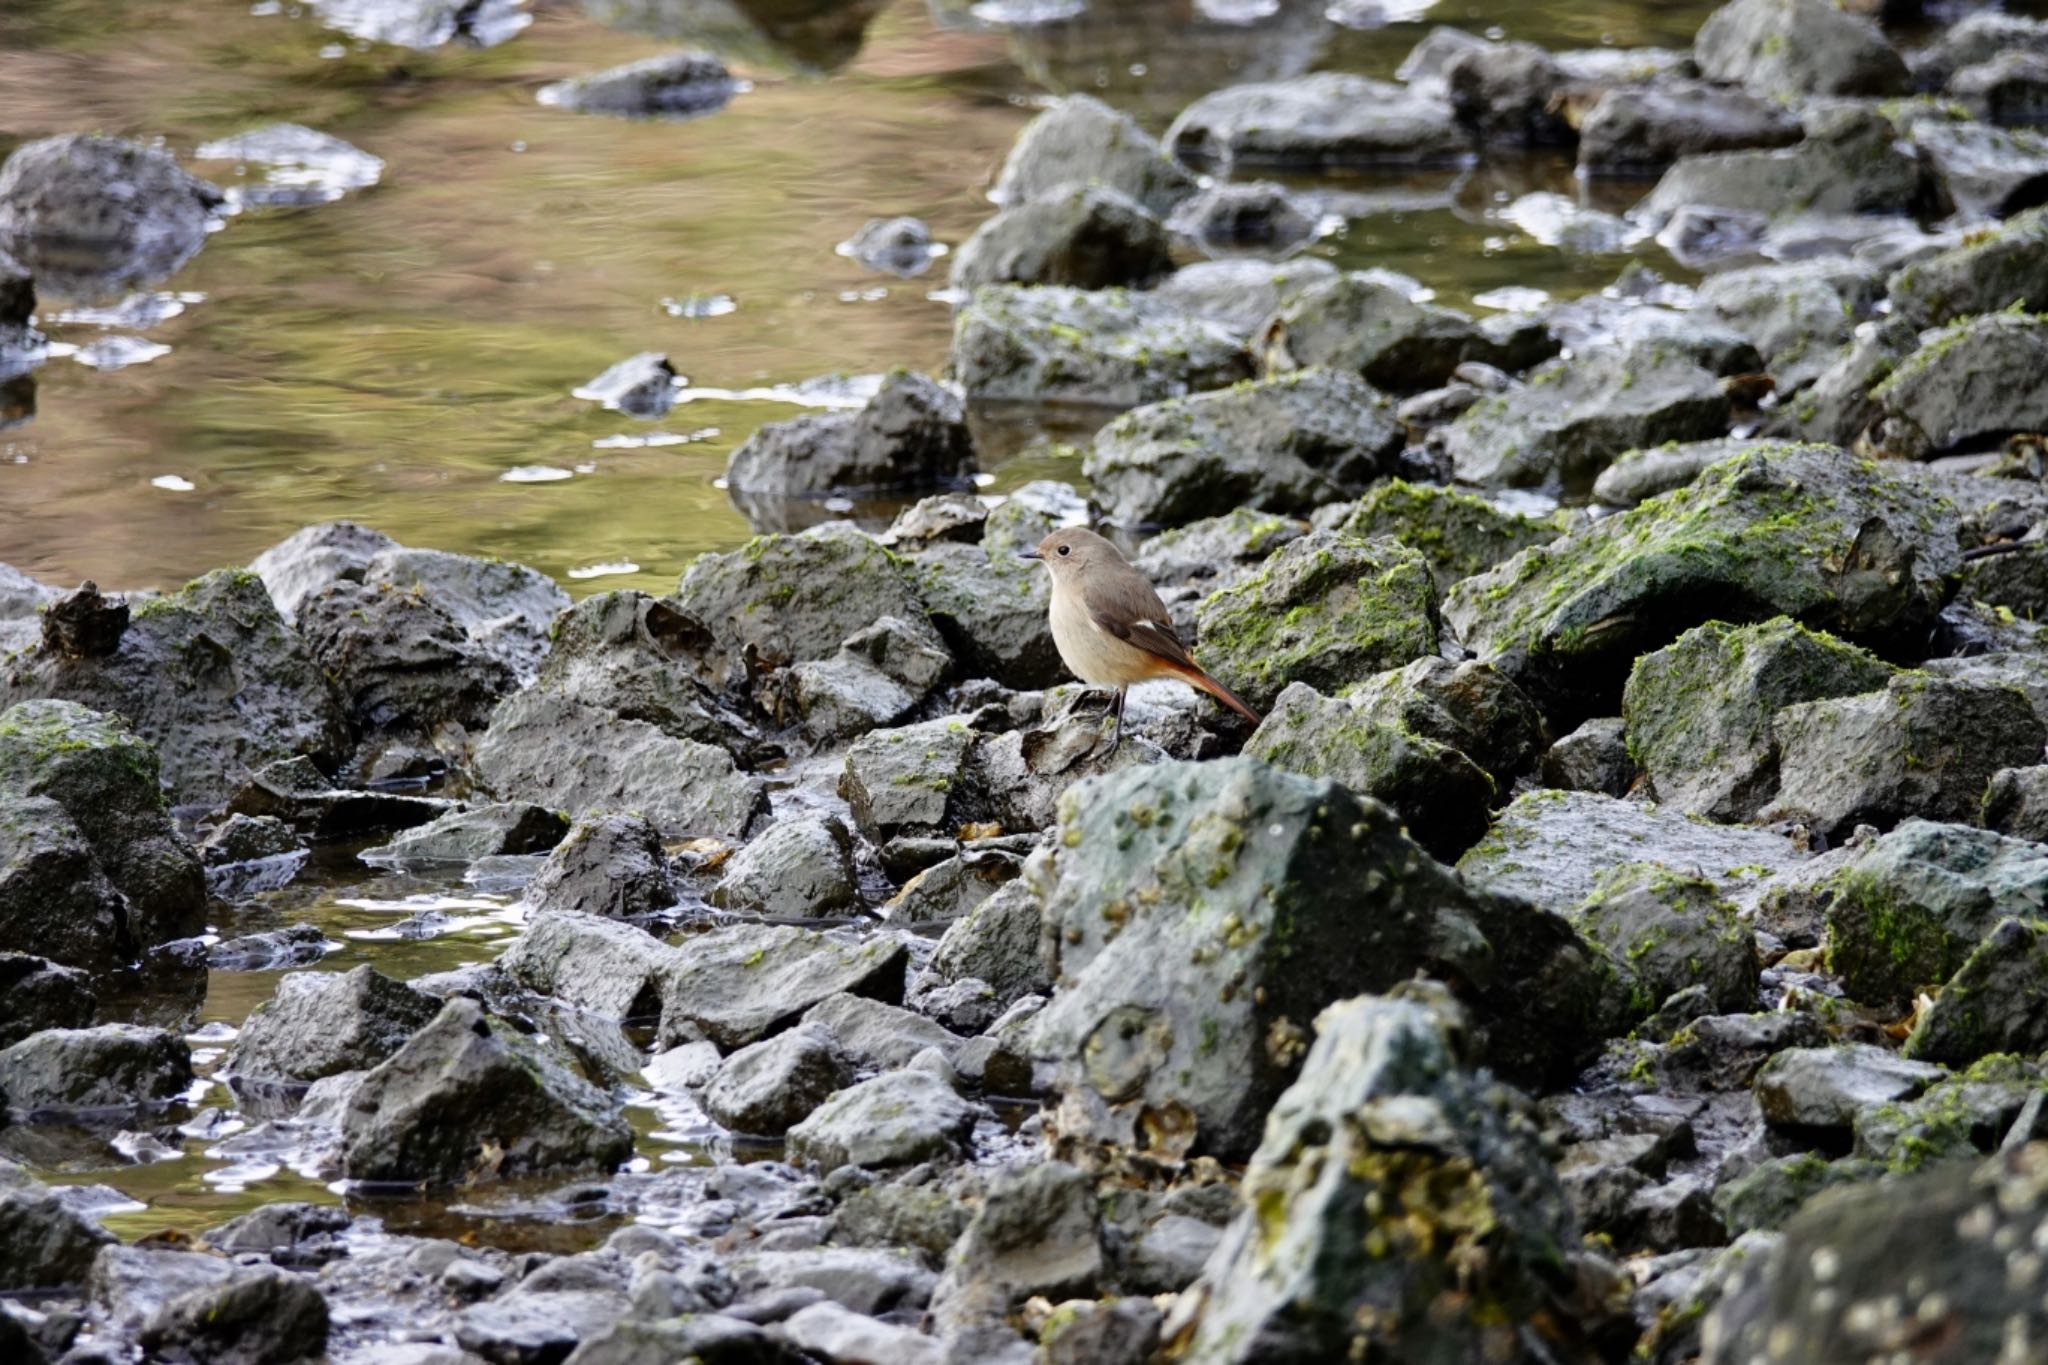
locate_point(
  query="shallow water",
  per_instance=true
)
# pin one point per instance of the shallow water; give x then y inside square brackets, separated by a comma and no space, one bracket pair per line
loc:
[391,356]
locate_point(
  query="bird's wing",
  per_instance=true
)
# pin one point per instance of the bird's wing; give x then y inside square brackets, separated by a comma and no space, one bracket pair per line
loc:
[1125,605]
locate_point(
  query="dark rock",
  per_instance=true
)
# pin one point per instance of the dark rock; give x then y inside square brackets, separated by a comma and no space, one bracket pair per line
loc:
[1641,129]
[954,886]
[642,386]
[1036,1233]
[247,839]
[1593,758]
[942,517]
[92,216]
[877,678]
[895,246]
[991,609]
[1769,1194]
[1924,746]
[614,970]
[323,1023]
[1725,1051]
[1506,93]
[1782,48]
[644,659]
[1326,610]
[1049,343]
[912,434]
[867,1282]
[1239,295]
[507,609]
[1390,1124]
[1826,1088]
[469,1100]
[1668,930]
[672,85]
[769,1087]
[1997,1002]
[209,675]
[1214,551]
[997,943]
[1642,474]
[42,994]
[896,1119]
[743,982]
[800,869]
[296,1236]
[1958,1117]
[401,662]
[1971,381]
[1085,236]
[55,897]
[84,625]
[1120,1332]
[299,945]
[1700,710]
[113,1065]
[2016,803]
[1260,216]
[1837,407]
[1326,119]
[43,1244]
[1283,445]
[532,1326]
[611,866]
[1805,532]
[465,836]
[1848,163]
[295,791]
[1079,140]
[1358,322]
[1459,534]
[2010,89]
[261,1316]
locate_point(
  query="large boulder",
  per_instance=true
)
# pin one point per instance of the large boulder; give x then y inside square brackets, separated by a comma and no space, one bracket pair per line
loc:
[1079,140]
[1790,48]
[55,900]
[878,677]
[1109,347]
[1850,162]
[401,662]
[92,216]
[1641,129]
[1398,1206]
[1329,118]
[321,1023]
[911,434]
[1085,236]
[1807,532]
[738,984]
[1327,610]
[1199,916]
[470,1099]
[211,676]
[1972,381]
[1286,445]
[1699,710]
[111,1066]
[106,780]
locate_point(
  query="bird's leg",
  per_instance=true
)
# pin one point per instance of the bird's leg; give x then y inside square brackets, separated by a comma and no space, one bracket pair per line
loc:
[1098,700]
[1117,737]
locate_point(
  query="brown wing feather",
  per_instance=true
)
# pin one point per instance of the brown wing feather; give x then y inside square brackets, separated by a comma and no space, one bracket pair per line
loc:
[1123,603]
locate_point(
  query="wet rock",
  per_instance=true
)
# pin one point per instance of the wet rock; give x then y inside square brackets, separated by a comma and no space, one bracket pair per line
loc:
[1935,1246]
[1906,911]
[1506,94]
[1593,758]
[1837,407]
[1924,746]
[321,1023]
[42,994]
[1668,930]
[1988,172]
[261,1316]
[465,836]
[1768,1195]
[712,1337]
[1826,1088]
[997,943]
[1564,621]
[833,1333]
[875,1036]
[1973,39]
[1358,322]
[1799,314]
[56,898]
[401,662]
[672,85]
[84,625]
[1971,381]
[1995,1003]
[743,982]
[299,167]
[296,792]
[1573,417]
[2010,89]
[310,559]
[611,866]
[991,609]
[908,780]
[128,1284]
[1260,216]
[1084,236]
[1282,445]
[1700,710]
[896,1119]
[952,887]
[2016,803]
[867,1282]
[912,434]
[1326,119]
[1326,610]
[296,1236]
[942,517]
[507,609]
[879,677]
[1959,1117]
[798,869]
[895,246]
[614,970]
[1050,343]
[643,658]
[1025,771]
[43,1244]
[1185,998]
[642,386]
[106,780]
[1781,48]
[91,216]
[1551,847]
[1385,1120]
[1848,163]
[1239,295]
[769,1087]
[1459,534]
[1641,129]
[247,839]
[211,676]
[113,1065]
[582,759]
[469,1099]
[1036,1233]
[1642,474]
[532,1326]
[1214,551]
[1079,140]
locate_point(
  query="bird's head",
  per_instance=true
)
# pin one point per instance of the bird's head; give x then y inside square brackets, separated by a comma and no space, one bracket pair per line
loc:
[1067,552]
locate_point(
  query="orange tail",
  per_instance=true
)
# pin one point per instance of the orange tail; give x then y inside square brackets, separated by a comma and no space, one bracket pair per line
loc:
[1195,677]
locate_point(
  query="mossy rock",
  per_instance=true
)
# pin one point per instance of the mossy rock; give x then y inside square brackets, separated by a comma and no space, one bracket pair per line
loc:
[1768,1195]
[1459,534]
[1996,1002]
[1669,931]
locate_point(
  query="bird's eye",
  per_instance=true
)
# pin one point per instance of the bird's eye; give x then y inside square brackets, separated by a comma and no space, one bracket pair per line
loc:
[1065,549]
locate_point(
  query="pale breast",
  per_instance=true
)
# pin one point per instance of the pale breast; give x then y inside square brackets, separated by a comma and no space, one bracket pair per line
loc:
[1091,653]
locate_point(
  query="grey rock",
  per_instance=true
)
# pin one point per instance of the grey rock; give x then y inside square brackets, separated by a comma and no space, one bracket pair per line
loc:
[1506,93]
[940,517]
[911,434]
[43,1243]
[402,663]
[876,1036]
[1837,407]
[1975,38]
[1769,1194]
[111,1066]
[1593,758]
[997,943]
[1079,140]
[1037,1232]
[952,887]
[262,1316]
[1216,550]
[92,216]
[1783,48]
[2016,803]
[797,869]
[467,1099]
[991,609]
[1957,1117]
[534,1326]
[896,1119]
[673,85]
[642,386]
[298,945]
[1358,322]
[507,609]
[296,792]
[1848,163]
[1238,295]
[1281,445]
[1259,216]
[1085,236]
[743,982]
[464,836]
[310,559]
[424,24]
[769,1087]
[1325,119]
[908,780]
[1641,129]
[611,866]
[1641,474]
[1799,314]
[1989,172]
[834,1333]
[1829,1087]
[2011,89]
[615,970]
[247,839]
[1121,1332]
[646,660]
[1725,1051]
[1116,349]
[128,1284]
[895,246]
[1669,931]
[1971,381]
[1995,1003]
[869,1282]
[56,898]
[321,1023]
[293,1235]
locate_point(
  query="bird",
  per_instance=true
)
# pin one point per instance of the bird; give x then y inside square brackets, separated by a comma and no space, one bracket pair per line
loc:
[1110,626]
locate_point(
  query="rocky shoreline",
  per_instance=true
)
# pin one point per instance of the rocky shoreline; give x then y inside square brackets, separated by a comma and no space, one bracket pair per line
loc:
[1622,939]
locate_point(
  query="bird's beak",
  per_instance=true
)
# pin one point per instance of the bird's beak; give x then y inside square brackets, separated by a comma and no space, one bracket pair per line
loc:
[1029,554]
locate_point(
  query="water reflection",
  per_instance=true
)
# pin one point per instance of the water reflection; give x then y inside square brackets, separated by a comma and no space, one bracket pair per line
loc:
[810,37]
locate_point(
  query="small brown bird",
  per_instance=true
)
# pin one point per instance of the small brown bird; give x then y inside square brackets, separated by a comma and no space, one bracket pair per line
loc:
[1111,628]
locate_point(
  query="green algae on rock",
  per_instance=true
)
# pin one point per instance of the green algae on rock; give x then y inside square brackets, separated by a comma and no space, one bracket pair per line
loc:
[1669,930]
[1459,534]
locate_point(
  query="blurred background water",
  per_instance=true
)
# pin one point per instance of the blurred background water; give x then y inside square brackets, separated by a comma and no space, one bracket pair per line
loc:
[391,356]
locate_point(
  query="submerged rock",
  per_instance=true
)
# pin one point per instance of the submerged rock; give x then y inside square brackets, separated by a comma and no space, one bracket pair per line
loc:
[1327,119]
[1048,343]
[1085,236]
[426,24]
[912,434]
[672,85]
[91,216]
[1285,445]
[321,1023]
[1261,217]
[467,1099]
[642,386]
[1079,140]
